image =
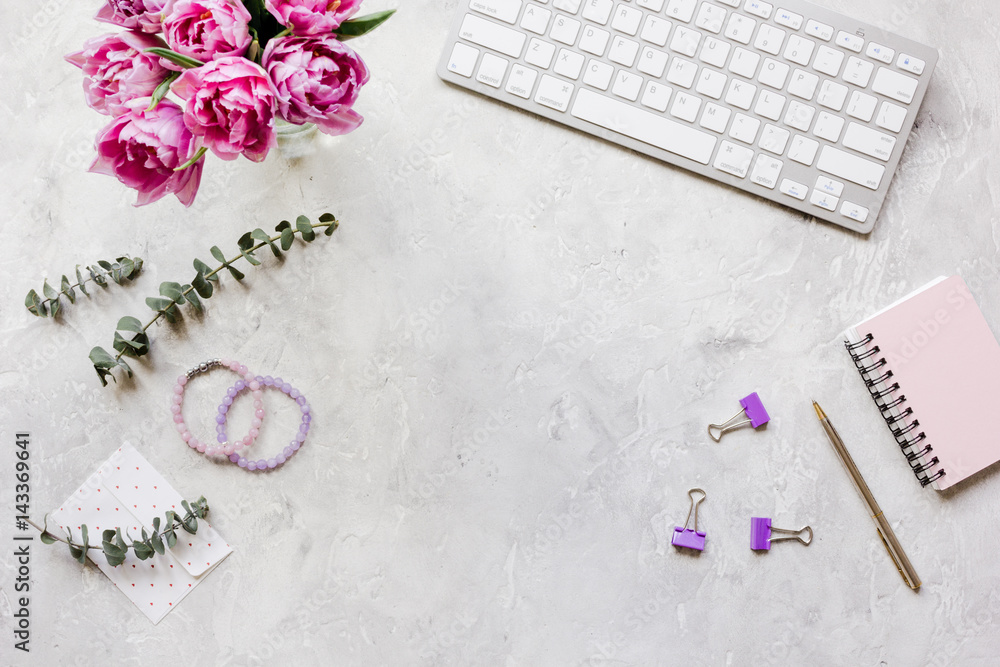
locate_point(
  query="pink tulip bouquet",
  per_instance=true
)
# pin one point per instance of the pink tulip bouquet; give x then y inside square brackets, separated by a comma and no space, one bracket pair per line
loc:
[234,66]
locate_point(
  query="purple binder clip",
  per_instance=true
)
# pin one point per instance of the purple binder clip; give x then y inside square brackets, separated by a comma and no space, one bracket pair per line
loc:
[686,537]
[755,414]
[760,534]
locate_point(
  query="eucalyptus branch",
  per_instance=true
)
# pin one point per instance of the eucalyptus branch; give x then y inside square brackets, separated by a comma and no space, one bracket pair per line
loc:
[121,270]
[173,295]
[115,547]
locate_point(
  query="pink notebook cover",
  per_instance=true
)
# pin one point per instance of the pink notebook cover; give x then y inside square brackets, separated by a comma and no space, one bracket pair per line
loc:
[946,360]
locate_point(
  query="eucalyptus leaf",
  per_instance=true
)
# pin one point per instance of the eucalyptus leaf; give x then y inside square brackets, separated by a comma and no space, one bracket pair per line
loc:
[236,272]
[202,286]
[202,268]
[264,237]
[172,291]
[48,291]
[192,298]
[248,256]
[216,253]
[157,543]
[65,288]
[246,241]
[129,323]
[305,228]
[282,226]
[48,538]
[80,282]
[287,236]
[362,25]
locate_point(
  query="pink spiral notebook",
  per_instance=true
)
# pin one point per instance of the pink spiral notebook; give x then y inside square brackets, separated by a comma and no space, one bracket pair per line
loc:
[932,364]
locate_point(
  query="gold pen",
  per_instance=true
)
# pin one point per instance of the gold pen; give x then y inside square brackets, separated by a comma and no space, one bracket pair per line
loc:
[884,529]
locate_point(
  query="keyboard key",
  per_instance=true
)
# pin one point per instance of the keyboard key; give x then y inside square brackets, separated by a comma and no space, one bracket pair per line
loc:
[714,52]
[773,74]
[868,141]
[803,150]
[793,189]
[623,118]
[858,72]
[521,81]
[744,128]
[819,30]
[565,30]
[769,39]
[733,159]
[682,72]
[891,117]
[627,85]
[554,93]
[799,116]
[492,35]
[744,62]
[766,171]
[598,74]
[540,53]
[463,59]
[799,50]
[569,64]
[828,126]
[504,10]
[832,95]
[626,19]
[682,10]
[685,41]
[712,83]
[850,42]
[895,85]
[656,96]
[774,139]
[715,118]
[758,8]
[731,3]
[788,19]
[653,62]
[599,11]
[568,6]
[830,186]
[803,84]
[740,28]
[828,61]
[623,51]
[880,53]
[741,94]
[910,64]
[651,5]
[536,19]
[656,30]
[862,106]
[823,200]
[594,40]
[710,18]
[850,167]
[769,105]
[685,107]
[855,212]
[492,70]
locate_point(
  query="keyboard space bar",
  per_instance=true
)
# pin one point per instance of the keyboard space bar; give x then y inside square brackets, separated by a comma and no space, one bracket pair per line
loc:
[645,126]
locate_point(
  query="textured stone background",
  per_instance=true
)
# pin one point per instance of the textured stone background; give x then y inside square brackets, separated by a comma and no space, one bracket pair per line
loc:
[512,346]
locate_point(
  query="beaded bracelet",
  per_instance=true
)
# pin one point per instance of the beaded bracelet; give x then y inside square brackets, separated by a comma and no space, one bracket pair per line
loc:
[224,446]
[292,447]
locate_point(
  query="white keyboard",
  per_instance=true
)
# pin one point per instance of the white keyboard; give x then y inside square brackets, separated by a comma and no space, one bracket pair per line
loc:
[789,101]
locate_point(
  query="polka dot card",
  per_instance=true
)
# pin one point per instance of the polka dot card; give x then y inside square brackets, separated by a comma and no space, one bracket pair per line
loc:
[126,492]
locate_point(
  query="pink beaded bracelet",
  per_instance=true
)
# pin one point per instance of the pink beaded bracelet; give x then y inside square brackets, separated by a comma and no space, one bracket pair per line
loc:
[248,381]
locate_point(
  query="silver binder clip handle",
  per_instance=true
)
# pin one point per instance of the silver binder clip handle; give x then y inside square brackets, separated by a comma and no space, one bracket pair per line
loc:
[715,431]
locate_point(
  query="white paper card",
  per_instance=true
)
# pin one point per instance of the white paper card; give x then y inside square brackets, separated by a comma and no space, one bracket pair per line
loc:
[127,492]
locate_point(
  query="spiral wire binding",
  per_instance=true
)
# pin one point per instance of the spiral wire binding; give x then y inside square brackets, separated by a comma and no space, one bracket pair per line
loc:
[902,425]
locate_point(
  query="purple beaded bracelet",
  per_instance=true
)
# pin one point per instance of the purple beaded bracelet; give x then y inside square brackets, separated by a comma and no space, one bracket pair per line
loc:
[292,447]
